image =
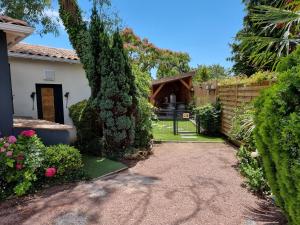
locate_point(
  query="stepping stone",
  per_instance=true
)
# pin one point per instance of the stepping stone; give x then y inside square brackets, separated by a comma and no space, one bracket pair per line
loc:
[71,219]
[249,222]
[188,137]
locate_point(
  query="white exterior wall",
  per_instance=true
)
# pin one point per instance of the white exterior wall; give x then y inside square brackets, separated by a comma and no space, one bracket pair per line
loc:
[25,73]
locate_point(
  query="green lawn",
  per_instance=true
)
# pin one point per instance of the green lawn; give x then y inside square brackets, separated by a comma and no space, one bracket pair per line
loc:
[163,131]
[96,166]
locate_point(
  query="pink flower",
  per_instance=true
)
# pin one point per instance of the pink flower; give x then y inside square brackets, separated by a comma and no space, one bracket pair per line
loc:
[2,149]
[12,139]
[6,145]
[9,154]
[19,166]
[28,133]
[50,172]
[20,157]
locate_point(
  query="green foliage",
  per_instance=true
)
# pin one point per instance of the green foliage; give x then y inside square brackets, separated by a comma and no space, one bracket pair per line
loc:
[252,170]
[289,62]
[37,13]
[89,132]
[148,57]
[118,100]
[210,118]
[67,161]
[243,124]
[19,162]
[277,137]
[257,78]
[143,130]
[253,49]
[250,166]
[213,72]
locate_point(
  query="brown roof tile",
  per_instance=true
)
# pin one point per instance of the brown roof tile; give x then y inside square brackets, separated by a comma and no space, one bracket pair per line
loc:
[170,79]
[6,19]
[44,51]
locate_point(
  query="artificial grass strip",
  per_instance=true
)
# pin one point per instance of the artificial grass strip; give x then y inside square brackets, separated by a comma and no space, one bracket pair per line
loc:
[96,167]
[163,131]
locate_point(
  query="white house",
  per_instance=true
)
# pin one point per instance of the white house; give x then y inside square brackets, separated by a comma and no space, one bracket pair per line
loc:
[46,81]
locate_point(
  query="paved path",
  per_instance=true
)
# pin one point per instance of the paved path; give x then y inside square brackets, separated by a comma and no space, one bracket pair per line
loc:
[191,184]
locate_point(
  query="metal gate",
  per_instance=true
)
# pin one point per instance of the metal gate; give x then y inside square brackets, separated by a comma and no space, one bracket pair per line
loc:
[178,122]
[185,122]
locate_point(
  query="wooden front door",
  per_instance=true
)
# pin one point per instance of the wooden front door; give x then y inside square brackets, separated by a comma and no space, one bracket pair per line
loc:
[50,102]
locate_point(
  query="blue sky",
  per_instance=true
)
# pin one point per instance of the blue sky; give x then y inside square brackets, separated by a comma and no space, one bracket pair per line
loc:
[201,28]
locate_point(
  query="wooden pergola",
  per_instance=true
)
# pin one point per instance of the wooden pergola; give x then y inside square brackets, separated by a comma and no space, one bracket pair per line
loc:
[181,86]
[12,31]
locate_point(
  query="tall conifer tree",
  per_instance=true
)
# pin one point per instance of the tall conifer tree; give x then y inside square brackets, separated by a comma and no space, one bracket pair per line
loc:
[118,101]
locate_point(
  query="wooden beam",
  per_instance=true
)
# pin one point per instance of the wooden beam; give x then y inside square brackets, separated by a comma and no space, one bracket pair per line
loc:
[185,84]
[157,91]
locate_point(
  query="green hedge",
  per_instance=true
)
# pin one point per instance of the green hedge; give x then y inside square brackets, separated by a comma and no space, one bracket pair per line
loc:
[277,137]
[209,117]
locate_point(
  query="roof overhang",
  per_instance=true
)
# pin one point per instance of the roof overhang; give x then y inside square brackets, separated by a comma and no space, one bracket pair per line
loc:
[43,58]
[15,33]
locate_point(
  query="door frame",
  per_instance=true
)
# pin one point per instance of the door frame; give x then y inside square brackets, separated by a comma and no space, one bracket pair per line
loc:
[58,101]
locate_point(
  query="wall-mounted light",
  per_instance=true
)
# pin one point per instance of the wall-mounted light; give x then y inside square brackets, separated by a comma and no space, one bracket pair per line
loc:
[32,96]
[67,95]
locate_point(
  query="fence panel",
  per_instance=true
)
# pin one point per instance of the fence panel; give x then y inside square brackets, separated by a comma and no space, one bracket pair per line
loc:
[230,96]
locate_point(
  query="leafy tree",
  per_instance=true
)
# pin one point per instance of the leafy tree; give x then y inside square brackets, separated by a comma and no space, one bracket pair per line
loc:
[148,57]
[37,13]
[205,73]
[249,53]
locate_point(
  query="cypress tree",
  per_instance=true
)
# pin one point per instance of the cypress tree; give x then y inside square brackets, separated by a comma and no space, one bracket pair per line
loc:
[118,101]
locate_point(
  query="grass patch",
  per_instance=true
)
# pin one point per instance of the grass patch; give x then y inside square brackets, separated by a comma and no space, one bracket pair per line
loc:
[96,167]
[163,131]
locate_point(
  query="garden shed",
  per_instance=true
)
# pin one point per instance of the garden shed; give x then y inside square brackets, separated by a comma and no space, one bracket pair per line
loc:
[172,92]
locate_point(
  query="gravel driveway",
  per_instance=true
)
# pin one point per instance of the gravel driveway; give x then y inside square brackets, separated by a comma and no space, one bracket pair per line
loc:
[186,183]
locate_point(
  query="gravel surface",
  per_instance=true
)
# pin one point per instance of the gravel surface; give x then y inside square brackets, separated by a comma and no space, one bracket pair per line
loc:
[182,183]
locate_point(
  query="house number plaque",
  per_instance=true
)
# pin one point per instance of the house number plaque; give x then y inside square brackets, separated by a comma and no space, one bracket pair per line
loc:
[185,115]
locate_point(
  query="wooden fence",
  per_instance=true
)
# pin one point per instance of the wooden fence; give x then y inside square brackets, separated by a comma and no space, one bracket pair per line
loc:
[231,97]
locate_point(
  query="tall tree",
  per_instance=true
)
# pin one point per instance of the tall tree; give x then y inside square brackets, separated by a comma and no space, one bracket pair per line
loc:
[37,13]
[205,73]
[91,44]
[149,57]
[118,101]
[250,54]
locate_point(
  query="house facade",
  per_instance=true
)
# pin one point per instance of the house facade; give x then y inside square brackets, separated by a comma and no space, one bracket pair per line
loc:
[45,82]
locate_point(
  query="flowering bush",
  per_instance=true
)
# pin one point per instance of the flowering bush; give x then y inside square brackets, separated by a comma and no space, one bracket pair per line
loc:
[63,161]
[20,159]
[25,163]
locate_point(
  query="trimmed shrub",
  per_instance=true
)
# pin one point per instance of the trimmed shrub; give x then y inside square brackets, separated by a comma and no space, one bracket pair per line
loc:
[209,117]
[88,126]
[277,137]
[66,160]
